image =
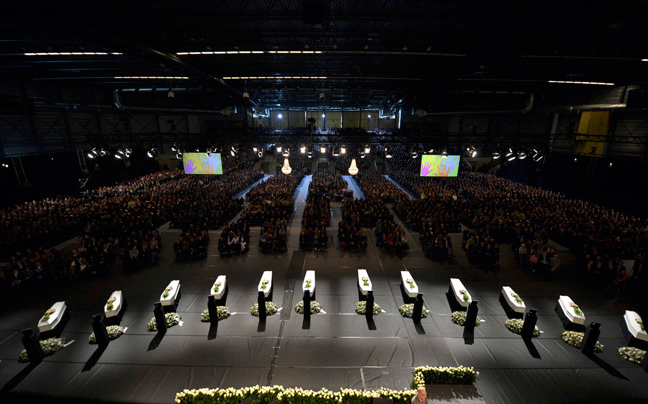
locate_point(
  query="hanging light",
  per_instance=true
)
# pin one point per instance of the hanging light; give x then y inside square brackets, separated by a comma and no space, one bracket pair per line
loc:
[286,167]
[367,149]
[260,153]
[388,153]
[174,147]
[302,149]
[353,168]
[336,151]
[286,153]
[255,149]
[278,149]
[323,149]
[343,149]
[414,153]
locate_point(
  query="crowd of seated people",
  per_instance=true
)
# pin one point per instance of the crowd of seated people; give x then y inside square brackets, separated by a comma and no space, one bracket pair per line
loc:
[350,233]
[274,236]
[234,238]
[391,238]
[327,183]
[192,243]
[316,218]
[271,203]
[374,184]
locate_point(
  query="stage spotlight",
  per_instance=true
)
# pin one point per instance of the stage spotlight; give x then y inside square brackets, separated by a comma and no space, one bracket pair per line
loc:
[260,153]
[336,151]
[286,153]
[255,149]
[510,158]
[388,153]
[302,149]
[509,153]
[343,149]
[179,155]
[575,159]
[362,155]
[367,149]
[496,155]
[369,116]
[91,155]
[279,116]
[278,148]
[414,153]
[5,165]
[323,115]
[174,147]
[610,164]
[522,155]
[323,149]
[118,156]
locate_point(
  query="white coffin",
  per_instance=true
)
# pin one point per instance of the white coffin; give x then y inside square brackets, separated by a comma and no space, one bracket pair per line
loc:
[456,286]
[514,304]
[309,275]
[267,276]
[411,292]
[634,327]
[173,294]
[221,289]
[117,304]
[364,288]
[54,319]
[569,312]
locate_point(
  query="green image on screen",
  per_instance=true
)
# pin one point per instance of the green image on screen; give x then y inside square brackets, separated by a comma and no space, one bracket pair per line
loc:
[436,165]
[201,163]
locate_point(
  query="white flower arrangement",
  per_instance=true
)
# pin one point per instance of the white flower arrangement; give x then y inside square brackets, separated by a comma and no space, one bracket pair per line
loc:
[459,318]
[515,325]
[410,282]
[114,332]
[443,375]
[267,394]
[407,310]
[171,319]
[271,309]
[315,307]
[223,312]
[634,355]
[50,347]
[575,339]
[361,308]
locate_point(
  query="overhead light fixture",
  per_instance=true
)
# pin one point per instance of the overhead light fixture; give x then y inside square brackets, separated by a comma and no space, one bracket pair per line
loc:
[152,152]
[255,149]
[170,94]
[151,78]
[302,149]
[5,165]
[286,167]
[521,155]
[91,155]
[471,151]
[336,151]
[509,153]
[286,153]
[595,83]
[353,168]
[72,53]
[367,149]
[323,149]
[174,147]
[179,155]
[278,148]
[388,153]
[323,115]
[369,116]
[511,158]
[118,156]
[575,159]
[322,96]
[343,149]
[234,151]
[444,154]
[610,164]
[362,155]
[280,116]
[496,155]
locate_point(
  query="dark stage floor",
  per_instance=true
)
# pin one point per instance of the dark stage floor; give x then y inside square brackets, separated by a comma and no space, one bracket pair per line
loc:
[338,349]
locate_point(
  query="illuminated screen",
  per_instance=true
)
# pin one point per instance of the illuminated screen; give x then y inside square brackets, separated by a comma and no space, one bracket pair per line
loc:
[435,165]
[201,163]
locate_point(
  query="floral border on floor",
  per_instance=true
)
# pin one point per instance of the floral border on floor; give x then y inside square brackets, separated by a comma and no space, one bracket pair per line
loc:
[222,312]
[266,394]
[443,375]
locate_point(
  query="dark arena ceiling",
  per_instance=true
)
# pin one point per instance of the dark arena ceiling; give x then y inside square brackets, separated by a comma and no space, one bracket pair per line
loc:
[325,54]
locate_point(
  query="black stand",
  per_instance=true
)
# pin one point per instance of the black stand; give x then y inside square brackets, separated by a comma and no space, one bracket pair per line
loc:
[99,328]
[644,363]
[211,308]
[33,346]
[370,306]
[529,325]
[471,318]
[262,307]
[307,301]
[418,309]
[159,318]
[589,339]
